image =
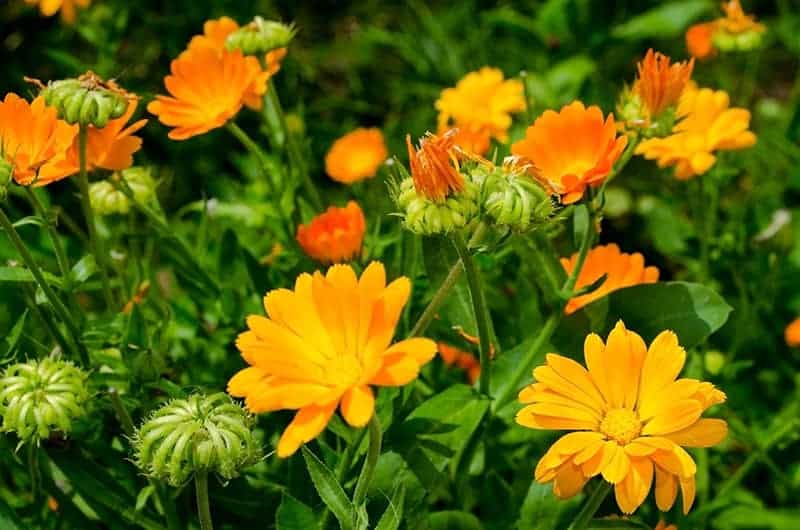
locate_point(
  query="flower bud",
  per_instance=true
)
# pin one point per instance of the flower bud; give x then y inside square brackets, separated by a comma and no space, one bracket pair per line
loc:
[107,200]
[87,100]
[6,172]
[512,197]
[425,216]
[38,398]
[199,433]
[738,42]
[260,36]
[634,115]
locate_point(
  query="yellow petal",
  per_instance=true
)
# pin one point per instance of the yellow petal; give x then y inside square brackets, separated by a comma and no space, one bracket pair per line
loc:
[679,415]
[557,383]
[633,490]
[528,418]
[624,354]
[358,405]
[663,363]
[279,394]
[397,370]
[244,380]
[577,374]
[666,489]
[306,425]
[594,352]
[569,481]
[688,490]
[706,432]
[619,464]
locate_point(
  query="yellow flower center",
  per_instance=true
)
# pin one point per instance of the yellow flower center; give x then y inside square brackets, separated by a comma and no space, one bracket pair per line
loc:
[345,371]
[621,425]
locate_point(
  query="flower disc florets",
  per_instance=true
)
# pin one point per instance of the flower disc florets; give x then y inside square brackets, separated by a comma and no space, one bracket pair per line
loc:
[87,100]
[261,36]
[38,398]
[199,433]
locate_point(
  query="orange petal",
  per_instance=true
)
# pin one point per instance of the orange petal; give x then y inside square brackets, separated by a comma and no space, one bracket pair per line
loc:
[306,425]
[358,405]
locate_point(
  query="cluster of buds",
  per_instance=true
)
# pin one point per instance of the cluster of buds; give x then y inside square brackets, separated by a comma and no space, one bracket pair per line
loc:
[38,398]
[106,199]
[260,36]
[86,100]
[212,434]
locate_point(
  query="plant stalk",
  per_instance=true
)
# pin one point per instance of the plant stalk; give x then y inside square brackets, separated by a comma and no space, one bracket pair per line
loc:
[594,501]
[203,507]
[373,452]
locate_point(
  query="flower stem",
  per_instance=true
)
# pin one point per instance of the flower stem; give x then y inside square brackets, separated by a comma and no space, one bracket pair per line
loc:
[94,241]
[254,149]
[597,497]
[203,507]
[58,305]
[373,452]
[50,326]
[33,469]
[58,248]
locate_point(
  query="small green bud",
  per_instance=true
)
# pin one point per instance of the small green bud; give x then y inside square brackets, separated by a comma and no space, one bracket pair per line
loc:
[107,199]
[738,42]
[424,216]
[200,433]
[512,197]
[87,100]
[260,36]
[38,398]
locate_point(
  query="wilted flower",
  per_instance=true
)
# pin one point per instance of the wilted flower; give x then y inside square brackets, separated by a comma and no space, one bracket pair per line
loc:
[567,168]
[322,345]
[334,236]
[631,418]
[49,8]
[792,333]
[435,166]
[106,199]
[621,270]
[200,433]
[356,156]
[661,83]
[86,100]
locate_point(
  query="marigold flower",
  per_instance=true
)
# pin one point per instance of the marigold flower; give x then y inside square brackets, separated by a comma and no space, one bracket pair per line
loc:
[660,84]
[34,141]
[706,125]
[480,107]
[334,236]
[356,156]
[699,41]
[323,344]
[467,362]
[631,418]
[207,89]
[622,270]
[49,8]
[664,526]
[568,167]
[792,333]
[434,165]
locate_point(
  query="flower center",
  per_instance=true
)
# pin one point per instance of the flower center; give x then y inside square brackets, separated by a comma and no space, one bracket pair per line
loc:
[345,371]
[621,425]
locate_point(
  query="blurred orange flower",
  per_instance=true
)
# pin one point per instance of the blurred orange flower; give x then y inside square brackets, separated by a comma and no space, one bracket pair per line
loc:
[792,333]
[323,345]
[434,165]
[356,156]
[622,270]
[572,149]
[68,10]
[207,89]
[34,141]
[699,40]
[660,84]
[467,362]
[334,236]
[664,526]
[736,20]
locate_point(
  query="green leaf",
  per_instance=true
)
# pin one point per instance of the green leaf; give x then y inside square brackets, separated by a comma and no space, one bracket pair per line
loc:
[541,510]
[83,270]
[144,494]
[18,274]
[8,519]
[580,224]
[30,220]
[294,515]
[665,21]
[566,78]
[753,517]
[391,518]
[453,520]
[13,336]
[329,490]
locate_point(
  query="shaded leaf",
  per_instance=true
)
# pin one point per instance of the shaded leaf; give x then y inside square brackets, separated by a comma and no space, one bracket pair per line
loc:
[329,490]
[294,515]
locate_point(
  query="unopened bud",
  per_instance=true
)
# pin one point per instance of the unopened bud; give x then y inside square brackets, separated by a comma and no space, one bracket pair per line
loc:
[260,36]
[512,197]
[107,199]
[425,216]
[87,100]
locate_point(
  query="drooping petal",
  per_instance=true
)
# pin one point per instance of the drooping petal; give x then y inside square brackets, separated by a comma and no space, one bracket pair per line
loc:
[633,490]
[358,405]
[666,489]
[306,425]
[619,464]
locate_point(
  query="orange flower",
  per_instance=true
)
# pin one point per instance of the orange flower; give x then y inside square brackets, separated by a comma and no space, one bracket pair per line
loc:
[792,333]
[274,59]
[660,84]
[699,40]
[334,236]
[49,8]
[664,526]
[34,141]
[452,356]
[736,21]
[325,344]
[473,140]
[572,149]
[622,270]
[356,156]
[434,165]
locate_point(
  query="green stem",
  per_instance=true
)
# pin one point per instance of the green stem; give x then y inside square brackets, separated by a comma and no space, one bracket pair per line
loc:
[58,248]
[203,507]
[50,325]
[597,497]
[373,452]
[86,204]
[254,149]
[124,417]
[55,302]
[33,469]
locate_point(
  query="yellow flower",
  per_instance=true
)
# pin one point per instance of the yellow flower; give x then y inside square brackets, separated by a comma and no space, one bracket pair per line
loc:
[323,344]
[631,418]
[49,8]
[707,124]
[480,106]
[356,156]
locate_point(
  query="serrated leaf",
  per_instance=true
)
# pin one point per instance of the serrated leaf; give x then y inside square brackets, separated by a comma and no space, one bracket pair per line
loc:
[329,490]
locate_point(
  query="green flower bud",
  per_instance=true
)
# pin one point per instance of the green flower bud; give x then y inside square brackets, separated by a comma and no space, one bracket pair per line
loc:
[634,115]
[107,200]
[200,433]
[424,216]
[260,36]
[87,100]
[738,42]
[511,197]
[6,173]
[38,398]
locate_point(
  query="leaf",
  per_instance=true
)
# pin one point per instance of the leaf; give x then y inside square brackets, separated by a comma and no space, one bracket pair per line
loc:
[541,509]
[13,336]
[18,274]
[83,270]
[580,224]
[665,21]
[453,520]
[329,490]
[391,518]
[294,515]
[566,78]
[144,494]
[29,220]
[752,517]
[8,519]
[440,255]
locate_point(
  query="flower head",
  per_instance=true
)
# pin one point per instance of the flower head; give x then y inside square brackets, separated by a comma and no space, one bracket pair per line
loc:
[49,8]
[334,236]
[622,270]
[660,84]
[480,107]
[356,156]
[630,415]
[85,100]
[792,333]
[736,20]
[707,124]
[434,165]
[261,36]
[572,149]
[322,345]
[34,141]
[699,40]
[207,89]
[106,199]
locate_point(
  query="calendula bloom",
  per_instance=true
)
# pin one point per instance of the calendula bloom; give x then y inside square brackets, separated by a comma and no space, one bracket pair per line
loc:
[792,333]
[568,167]
[630,415]
[334,236]
[274,60]
[323,345]
[707,124]
[67,8]
[356,156]
[736,20]
[480,107]
[664,526]
[34,141]
[621,270]
[736,31]
[434,165]
[699,40]
[207,89]
[467,362]
[660,83]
